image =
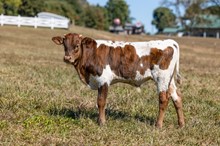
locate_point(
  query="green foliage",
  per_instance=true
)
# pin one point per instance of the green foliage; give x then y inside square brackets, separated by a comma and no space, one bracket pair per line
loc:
[214,10]
[163,17]
[96,17]
[118,9]
[21,7]
[77,8]
[10,7]
[193,10]
[199,16]
[60,7]
[30,7]
[1,7]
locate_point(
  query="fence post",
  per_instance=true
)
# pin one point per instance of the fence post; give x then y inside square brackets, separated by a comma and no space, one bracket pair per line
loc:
[19,21]
[2,20]
[35,22]
[217,35]
[204,34]
[52,23]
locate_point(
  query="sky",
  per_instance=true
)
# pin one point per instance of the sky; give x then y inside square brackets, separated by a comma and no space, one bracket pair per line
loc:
[141,10]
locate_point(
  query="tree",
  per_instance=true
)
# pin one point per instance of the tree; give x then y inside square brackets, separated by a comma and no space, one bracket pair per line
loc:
[10,7]
[118,9]
[193,11]
[60,7]
[30,7]
[79,7]
[181,6]
[197,15]
[96,17]
[163,17]
[177,5]
[214,10]
[1,7]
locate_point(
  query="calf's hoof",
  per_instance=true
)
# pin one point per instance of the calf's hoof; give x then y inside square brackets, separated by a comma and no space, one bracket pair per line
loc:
[101,122]
[158,125]
[181,124]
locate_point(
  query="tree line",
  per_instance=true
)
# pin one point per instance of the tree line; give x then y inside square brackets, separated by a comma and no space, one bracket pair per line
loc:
[101,17]
[80,11]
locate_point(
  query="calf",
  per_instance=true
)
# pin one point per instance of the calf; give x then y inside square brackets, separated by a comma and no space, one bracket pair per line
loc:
[101,63]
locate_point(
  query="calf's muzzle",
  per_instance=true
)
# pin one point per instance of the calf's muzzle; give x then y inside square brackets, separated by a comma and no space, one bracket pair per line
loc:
[67,58]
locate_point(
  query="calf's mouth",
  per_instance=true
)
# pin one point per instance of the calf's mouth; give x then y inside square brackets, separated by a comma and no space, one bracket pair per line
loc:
[69,60]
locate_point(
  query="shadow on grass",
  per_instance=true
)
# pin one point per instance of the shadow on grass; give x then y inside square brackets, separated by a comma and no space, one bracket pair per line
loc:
[92,114]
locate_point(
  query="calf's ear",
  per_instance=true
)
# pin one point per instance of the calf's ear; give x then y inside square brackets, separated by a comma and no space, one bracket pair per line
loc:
[57,40]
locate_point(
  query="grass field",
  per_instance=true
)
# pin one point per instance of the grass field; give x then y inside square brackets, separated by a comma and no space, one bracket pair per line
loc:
[43,102]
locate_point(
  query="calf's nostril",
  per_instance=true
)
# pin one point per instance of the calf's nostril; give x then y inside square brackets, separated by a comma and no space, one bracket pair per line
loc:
[67,57]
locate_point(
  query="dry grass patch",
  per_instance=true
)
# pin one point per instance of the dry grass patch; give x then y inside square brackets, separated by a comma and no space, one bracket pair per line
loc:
[42,101]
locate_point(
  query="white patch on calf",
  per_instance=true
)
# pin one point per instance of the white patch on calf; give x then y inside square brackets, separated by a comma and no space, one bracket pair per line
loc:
[162,78]
[174,96]
[140,77]
[173,92]
[106,77]
[111,43]
[141,48]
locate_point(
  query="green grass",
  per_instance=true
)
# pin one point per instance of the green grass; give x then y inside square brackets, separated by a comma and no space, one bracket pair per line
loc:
[43,102]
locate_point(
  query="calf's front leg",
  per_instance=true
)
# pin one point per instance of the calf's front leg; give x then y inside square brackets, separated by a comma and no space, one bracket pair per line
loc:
[101,102]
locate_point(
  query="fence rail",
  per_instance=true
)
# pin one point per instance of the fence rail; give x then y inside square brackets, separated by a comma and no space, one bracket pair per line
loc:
[33,21]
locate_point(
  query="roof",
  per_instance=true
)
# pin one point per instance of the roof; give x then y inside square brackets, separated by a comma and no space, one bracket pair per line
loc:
[51,15]
[210,21]
[172,29]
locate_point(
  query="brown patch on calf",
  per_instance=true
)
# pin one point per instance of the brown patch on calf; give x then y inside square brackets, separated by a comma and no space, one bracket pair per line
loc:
[86,66]
[156,57]
[101,57]
[129,62]
[114,58]
[166,58]
[146,64]
[123,61]
[161,57]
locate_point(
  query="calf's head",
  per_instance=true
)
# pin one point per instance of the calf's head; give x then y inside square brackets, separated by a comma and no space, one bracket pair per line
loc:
[72,47]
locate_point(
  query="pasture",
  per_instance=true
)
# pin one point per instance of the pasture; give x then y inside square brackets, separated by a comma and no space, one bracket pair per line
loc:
[43,102]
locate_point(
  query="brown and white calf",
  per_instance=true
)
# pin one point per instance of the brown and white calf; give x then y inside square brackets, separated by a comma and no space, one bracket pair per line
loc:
[101,63]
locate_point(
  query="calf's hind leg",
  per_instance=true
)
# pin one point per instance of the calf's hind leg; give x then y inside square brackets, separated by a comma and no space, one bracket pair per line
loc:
[177,101]
[163,102]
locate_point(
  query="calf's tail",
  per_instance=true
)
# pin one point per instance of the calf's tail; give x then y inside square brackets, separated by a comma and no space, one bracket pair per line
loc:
[178,76]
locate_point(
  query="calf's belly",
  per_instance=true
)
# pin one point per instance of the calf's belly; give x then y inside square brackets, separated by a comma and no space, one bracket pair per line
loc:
[97,81]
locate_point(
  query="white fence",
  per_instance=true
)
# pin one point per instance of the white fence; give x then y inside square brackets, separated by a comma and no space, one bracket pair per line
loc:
[33,21]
